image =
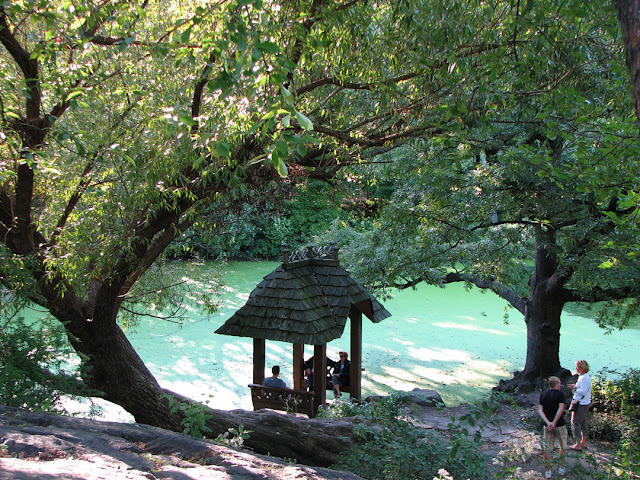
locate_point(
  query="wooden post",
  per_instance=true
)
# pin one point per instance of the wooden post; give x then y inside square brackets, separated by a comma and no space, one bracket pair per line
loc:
[258,360]
[298,369]
[320,375]
[355,354]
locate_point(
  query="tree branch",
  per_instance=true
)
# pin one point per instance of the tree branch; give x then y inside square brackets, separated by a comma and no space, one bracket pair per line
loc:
[499,289]
[28,66]
[351,85]
[598,294]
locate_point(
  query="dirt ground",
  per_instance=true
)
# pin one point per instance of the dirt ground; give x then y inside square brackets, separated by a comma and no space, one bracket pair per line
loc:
[513,444]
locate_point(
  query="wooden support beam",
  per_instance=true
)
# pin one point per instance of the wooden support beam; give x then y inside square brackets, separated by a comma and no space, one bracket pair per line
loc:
[298,365]
[319,374]
[258,360]
[355,354]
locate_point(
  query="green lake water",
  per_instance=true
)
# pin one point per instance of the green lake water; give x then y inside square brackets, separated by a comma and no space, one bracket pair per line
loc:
[451,340]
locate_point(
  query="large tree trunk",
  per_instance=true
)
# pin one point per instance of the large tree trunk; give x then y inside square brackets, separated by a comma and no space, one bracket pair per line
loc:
[314,441]
[543,309]
[629,17]
[542,316]
[113,367]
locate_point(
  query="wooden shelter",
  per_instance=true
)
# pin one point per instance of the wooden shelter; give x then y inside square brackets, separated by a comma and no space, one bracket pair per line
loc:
[306,301]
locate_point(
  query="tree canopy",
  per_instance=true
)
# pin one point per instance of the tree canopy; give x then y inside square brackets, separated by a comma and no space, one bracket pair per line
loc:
[533,195]
[124,122]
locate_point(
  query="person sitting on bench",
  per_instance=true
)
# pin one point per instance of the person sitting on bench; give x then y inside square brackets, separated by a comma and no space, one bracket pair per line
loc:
[274,381]
[341,374]
[308,372]
[308,364]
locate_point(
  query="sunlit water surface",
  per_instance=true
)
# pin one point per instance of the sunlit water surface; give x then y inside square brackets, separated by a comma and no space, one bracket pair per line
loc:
[451,340]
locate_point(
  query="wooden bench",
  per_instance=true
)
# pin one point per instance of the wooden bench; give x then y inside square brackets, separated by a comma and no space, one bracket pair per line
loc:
[295,401]
[343,388]
[329,386]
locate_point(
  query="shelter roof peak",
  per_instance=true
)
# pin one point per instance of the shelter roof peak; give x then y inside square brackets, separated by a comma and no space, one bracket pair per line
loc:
[311,254]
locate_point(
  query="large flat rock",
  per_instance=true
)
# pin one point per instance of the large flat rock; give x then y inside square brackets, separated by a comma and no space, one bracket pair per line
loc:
[38,445]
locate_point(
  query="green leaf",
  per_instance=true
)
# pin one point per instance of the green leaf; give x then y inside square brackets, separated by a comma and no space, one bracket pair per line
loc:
[53,171]
[282,147]
[268,47]
[279,164]
[224,149]
[187,119]
[287,95]
[304,121]
[74,94]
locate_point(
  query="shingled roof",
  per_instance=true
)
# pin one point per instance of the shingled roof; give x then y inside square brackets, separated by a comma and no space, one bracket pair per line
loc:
[305,300]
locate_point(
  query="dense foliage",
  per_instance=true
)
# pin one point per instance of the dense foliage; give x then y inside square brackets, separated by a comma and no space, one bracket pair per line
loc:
[392,448]
[257,227]
[33,372]
[616,413]
[526,197]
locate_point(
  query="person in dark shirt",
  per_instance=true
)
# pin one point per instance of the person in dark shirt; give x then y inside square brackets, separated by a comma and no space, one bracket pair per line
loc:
[551,409]
[308,373]
[341,374]
[308,366]
[274,381]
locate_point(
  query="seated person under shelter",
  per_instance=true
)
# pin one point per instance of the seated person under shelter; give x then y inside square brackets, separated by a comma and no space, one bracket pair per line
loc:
[274,380]
[341,374]
[308,375]
[308,367]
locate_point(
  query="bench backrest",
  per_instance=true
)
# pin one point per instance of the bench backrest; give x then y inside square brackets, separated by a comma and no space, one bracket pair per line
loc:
[285,399]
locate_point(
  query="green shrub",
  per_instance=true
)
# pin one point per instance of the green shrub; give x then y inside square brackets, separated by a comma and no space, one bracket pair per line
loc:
[390,447]
[32,359]
[616,415]
[258,226]
[195,418]
[606,426]
[617,392]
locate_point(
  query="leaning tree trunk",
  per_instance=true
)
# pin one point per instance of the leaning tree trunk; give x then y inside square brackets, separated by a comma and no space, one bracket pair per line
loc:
[113,367]
[110,364]
[317,441]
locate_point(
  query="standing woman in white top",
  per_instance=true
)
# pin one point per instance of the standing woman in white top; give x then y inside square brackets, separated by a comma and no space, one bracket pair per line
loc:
[580,405]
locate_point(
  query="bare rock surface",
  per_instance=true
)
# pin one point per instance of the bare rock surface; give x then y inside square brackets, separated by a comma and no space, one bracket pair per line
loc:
[44,446]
